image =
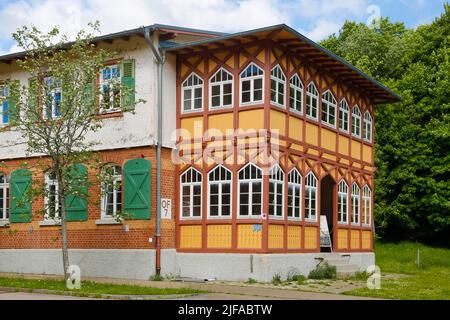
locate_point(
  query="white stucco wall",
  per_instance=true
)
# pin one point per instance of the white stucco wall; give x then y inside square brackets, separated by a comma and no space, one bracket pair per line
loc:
[131,130]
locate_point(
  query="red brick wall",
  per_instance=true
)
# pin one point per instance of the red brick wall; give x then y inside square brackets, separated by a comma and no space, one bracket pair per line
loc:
[87,234]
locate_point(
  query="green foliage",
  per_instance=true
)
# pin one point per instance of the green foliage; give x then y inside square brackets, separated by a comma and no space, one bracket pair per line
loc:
[276,279]
[251,281]
[157,277]
[294,276]
[323,271]
[412,197]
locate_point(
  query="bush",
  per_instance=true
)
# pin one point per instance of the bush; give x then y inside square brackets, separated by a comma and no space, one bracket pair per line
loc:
[251,281]
[324,271]
[156,278]
[276,279]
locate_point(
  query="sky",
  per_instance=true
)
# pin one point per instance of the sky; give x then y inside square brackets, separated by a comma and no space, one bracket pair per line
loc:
[316,19]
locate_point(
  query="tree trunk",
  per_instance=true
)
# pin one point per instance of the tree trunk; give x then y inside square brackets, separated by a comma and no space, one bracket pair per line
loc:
[62,201]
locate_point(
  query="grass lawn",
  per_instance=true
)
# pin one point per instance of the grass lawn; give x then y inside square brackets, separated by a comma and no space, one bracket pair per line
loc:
[431,281]
[91,288]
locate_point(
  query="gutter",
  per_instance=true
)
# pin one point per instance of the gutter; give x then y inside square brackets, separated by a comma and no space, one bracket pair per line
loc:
[159,54]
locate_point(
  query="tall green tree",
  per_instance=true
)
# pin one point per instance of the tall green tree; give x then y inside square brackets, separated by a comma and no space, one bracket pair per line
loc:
[412,196]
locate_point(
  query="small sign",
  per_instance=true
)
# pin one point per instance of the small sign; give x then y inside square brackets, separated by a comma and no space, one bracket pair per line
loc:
[257,228]
[325,239]
[166,208]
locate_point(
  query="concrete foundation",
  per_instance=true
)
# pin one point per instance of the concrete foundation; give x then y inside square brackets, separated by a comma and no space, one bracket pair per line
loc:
[140,264]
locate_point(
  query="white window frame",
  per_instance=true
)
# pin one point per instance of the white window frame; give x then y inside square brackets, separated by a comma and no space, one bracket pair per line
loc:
[278,78]
[295,184]
[191,185]
[220,183]
[55,89]
[4,191]
[325,109]
[312,96]
[296,85]
[221,84]
[251,181]
[48,183]
[276,179]
[252,80]
[117,195]
[342,197]
[367,126]
[185,87]
[367,206]
[311,184]
[344,116]
[4,98]
[356,204]
[356,115]
[110,83]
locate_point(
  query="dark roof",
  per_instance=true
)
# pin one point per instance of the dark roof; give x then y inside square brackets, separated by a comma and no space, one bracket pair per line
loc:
[314,52]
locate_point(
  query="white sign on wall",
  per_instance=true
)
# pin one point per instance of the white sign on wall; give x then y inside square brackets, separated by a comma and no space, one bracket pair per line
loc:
[166,208]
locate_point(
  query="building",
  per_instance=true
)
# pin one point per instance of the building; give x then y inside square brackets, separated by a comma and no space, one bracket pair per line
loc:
[274,132]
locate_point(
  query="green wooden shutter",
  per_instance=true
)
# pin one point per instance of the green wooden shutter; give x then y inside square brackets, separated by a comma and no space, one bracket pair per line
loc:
[128,80]
[76,206]
[20,206]
[137,188]
[13,111]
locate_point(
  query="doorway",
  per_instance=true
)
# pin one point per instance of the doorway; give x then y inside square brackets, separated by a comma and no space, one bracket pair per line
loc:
[327,198]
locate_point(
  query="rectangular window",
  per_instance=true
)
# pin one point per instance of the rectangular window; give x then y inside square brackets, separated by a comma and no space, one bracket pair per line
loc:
[4,105]
[51,108]
[51,199]
[112,192]
[110,84]
[4,197]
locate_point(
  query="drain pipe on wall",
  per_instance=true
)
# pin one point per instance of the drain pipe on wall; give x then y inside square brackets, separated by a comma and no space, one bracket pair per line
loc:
[160,59]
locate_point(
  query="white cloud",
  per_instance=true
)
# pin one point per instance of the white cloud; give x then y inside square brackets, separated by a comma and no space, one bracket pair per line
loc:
[318,18]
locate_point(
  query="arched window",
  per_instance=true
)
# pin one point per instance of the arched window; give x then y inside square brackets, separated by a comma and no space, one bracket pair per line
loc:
[250,191]
[296,94]
[251,81]
[329,109]
[276,192]
[51,198]
[219,192]
[111,191]
[277,86]
[4,197]
[355,203]
[367,205]
[4,105]
[312,101]
[356,122]
[221,90]
[342,202]
[191,194]
[311,197]
[192,93]
[294,194]
[367,126]
[344,115]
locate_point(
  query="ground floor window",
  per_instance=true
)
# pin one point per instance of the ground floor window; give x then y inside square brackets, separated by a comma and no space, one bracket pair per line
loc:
[219,192]
[111,191]
[294,194]
[343,202]
[276,192]
[250,191]
[191,194]
[311,197]
[51,199]
[367,205]
[4,197]
[355,204]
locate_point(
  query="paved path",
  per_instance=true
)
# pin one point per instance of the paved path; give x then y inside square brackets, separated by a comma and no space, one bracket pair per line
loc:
[218,291]
[35,296]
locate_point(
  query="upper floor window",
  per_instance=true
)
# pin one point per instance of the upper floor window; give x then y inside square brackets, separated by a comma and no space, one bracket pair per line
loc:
[355,204]
[221,90]
[4,197]
[52,98]
[356,122]
[277,86]
[344,115]
[342,202]
[219,192]
[250,191]
[276,192]
[4,105]
[251,82]
[329,109]
[51,199]
[312,100]
[111,191]
[192,93]
[191,194]
[110,83]
[367,205]
[296,94]
[367,126]
[294,194]
[311,197]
